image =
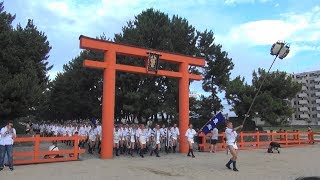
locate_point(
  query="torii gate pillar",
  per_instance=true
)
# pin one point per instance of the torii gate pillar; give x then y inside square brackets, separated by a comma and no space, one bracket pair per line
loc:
[183,106]
[108,102]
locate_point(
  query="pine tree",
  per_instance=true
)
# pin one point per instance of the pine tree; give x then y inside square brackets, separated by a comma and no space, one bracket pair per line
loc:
[271,103]
[23,67]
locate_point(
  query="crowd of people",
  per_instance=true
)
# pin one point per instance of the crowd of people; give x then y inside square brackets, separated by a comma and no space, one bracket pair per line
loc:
[128,138]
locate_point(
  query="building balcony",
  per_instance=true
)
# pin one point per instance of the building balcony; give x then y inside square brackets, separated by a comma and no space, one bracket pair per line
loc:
[303,95]
[317,86]
[304,109]
[304,88]
[317,79]
[318,108]
[303,81]
[303,102]
[318,101]
[304,116]
[318,115]
[318,94]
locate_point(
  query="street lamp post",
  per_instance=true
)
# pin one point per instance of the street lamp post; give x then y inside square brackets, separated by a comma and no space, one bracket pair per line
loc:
[280,50]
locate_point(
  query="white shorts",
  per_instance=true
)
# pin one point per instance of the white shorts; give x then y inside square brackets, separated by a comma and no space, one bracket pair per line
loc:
[142,140]
[234,145]
[132,139]
[174,137]
[158,142]
[92,138]
[190,140]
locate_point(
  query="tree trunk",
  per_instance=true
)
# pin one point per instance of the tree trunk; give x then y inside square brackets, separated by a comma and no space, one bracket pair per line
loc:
[155,118]
[138,117]
[162,116]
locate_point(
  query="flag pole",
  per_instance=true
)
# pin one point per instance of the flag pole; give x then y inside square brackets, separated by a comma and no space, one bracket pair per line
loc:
[204,125]
[210,120]
[207,122]
[259,89]
[282,52]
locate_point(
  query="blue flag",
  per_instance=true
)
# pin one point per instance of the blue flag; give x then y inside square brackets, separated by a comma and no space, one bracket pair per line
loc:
[216,120]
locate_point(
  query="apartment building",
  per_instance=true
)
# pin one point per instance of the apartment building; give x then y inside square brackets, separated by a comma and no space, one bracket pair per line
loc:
[307,103]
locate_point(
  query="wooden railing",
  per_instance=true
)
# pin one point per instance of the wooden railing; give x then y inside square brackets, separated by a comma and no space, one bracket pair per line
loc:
[260,140]
[37,156]
[317,134]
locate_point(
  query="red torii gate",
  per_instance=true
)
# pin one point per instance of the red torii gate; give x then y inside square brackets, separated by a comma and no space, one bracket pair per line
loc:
[110,67]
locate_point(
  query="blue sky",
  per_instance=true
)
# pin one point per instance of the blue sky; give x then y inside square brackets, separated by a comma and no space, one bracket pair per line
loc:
[245,28]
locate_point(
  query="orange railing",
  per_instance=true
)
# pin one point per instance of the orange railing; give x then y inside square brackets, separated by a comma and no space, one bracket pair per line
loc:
[37,156]
[315,134]
[260,140]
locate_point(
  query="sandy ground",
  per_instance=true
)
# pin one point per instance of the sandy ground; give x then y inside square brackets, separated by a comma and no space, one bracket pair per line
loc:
[252,164]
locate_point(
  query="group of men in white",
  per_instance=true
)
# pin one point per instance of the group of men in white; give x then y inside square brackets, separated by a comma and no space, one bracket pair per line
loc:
[128,138]
[134,137]
[69,128]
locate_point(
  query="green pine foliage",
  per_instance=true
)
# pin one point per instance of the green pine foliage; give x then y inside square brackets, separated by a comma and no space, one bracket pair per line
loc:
[271,104]
[23,67]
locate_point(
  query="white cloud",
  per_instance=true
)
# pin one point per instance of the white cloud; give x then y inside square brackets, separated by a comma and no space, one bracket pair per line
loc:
[59,7]
[261,32]
[298,48]
[87,16]
[301,30]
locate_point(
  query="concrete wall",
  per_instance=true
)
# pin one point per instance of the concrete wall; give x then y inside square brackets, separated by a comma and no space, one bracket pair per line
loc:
[298,122]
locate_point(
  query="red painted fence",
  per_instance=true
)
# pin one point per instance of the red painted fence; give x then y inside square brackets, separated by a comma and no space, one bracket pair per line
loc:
[37,156]
[255,140]
[315,134]
[261,140]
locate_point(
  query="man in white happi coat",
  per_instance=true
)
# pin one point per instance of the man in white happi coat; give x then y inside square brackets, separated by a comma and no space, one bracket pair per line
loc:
[167,139]
[175,137]
[116,139]
[132,135]
[190,134]
[156,141]
[142,134]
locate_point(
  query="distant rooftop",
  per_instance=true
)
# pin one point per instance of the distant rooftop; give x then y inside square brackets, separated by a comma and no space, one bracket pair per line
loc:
[308,72]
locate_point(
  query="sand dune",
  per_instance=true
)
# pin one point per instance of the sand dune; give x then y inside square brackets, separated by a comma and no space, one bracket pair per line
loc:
[253,164]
